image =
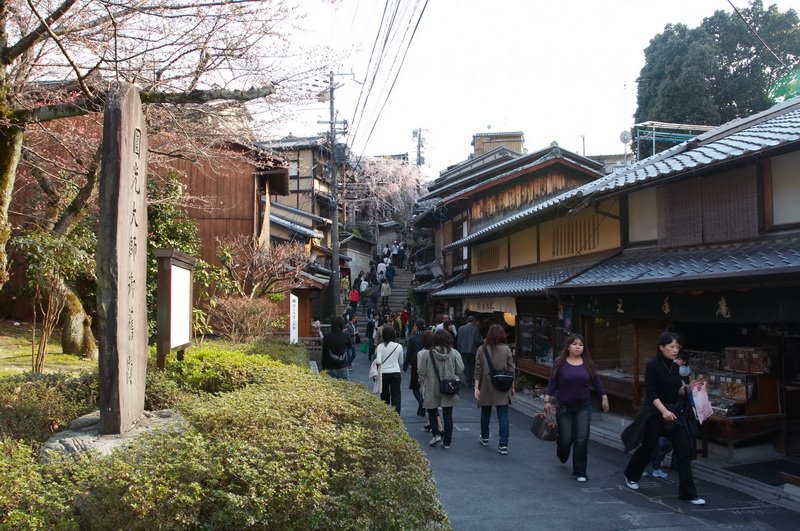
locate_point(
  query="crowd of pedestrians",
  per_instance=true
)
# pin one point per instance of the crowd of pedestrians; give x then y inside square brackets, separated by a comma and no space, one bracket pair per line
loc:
[439,355]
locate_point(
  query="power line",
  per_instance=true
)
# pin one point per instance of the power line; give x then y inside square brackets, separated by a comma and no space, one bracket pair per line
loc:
[394,81]
[754,32]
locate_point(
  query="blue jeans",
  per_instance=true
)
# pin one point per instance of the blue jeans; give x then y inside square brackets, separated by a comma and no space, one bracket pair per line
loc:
[573,431]
[661,451]
[341,374]
[502,418]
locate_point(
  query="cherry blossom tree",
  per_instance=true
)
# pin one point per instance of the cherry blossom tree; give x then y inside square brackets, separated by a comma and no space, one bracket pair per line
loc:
[382,189]
[195,62]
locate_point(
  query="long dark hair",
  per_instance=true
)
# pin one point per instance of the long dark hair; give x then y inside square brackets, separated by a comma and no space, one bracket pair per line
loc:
[388,334]
[587,359]
[495,336]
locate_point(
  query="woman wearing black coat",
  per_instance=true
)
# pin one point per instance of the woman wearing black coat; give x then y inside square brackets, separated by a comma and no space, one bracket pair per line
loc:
[665,412]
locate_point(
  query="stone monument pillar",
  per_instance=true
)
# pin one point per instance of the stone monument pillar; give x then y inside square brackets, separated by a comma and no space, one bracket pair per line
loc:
[121,262]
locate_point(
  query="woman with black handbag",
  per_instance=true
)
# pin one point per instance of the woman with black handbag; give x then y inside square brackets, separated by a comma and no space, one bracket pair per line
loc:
[571,379]
[665,412]
[438,371]
[493,357]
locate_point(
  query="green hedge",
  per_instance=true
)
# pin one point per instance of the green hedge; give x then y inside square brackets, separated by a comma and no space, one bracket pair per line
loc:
[268,446]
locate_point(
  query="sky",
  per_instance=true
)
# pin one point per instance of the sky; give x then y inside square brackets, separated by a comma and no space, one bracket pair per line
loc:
[560,71]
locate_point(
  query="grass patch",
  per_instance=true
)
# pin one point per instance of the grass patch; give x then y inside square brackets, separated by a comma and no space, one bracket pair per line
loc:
[15,352]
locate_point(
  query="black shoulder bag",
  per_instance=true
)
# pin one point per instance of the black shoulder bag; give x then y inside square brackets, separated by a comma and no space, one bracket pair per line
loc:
[503,379]
[446,387]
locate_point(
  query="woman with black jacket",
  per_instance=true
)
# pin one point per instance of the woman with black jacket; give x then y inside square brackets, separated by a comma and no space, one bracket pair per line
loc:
[665,412]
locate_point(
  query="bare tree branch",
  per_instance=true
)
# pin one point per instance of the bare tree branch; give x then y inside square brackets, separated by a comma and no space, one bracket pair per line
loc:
[29,40]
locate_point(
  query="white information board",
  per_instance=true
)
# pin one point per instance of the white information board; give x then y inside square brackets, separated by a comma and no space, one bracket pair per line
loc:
[181,315]
[293,318]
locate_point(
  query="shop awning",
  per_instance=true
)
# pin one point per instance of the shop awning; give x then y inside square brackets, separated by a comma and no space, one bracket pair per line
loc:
[529,280]
[771,259]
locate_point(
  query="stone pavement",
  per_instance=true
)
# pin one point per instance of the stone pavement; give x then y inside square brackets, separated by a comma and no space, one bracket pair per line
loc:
[529,489]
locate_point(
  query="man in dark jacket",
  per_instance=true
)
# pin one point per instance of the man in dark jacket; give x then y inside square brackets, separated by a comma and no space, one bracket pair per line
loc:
[335,347]
[468,339]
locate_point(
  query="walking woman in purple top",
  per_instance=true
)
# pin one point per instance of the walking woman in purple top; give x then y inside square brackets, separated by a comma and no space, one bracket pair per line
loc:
[572,374]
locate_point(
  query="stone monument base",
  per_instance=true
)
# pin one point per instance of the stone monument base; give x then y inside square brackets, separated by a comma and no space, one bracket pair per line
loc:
[83,434]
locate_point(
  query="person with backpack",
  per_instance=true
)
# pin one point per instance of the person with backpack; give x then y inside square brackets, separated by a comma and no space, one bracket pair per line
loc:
[335,350]
[486,392]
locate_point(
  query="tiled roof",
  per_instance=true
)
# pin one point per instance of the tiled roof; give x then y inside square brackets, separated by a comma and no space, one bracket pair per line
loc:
[294,227]
[766,130]
[299,212]
[522,215]
[655,265]
[775,127]
[292,142]
[506,168]
[429,286]
[521,281]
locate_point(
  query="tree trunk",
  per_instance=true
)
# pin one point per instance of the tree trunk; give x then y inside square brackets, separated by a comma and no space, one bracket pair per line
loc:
[76,329]
[10,149]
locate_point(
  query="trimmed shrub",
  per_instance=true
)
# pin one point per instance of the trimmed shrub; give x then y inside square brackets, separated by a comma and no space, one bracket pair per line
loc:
[280,350]
[34,406]
[266,446]
[219,368]
[330,456]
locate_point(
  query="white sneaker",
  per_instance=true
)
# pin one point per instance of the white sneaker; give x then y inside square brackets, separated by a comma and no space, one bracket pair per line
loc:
[630,484]
[436,440]
[659,473]
[696,501]
[581,479]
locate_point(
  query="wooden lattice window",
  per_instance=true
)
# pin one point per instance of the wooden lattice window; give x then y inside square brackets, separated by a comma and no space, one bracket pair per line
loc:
[575,236]
[487,258]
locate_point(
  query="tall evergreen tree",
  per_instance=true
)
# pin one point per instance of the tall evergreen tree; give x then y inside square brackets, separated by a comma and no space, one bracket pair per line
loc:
[718,71]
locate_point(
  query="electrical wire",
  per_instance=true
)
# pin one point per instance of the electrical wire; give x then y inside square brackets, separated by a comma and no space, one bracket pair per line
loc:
[400,53]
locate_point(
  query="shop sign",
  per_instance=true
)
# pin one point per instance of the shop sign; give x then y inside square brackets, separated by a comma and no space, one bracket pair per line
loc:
[491,304]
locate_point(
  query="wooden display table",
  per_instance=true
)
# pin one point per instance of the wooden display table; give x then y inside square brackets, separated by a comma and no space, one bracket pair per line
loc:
[734,430]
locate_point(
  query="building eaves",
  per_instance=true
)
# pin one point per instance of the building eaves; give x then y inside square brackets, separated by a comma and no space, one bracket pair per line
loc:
[533,210]
[300,212]
[642,268]
[509,167]
[747,137]
[292,142]
[551,157]
[295,227]
[528,280]
[492,157]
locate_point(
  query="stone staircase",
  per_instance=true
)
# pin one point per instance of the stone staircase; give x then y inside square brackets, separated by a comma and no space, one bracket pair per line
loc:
[400,292]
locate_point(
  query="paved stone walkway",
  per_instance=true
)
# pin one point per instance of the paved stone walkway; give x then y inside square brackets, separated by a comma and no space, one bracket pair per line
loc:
[529,489]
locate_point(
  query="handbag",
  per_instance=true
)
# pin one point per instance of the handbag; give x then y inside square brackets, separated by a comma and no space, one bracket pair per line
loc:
[503,379]
[376,374]
[544,427]
[446,387]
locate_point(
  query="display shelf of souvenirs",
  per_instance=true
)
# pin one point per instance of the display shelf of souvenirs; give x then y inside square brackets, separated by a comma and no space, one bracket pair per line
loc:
[726,408]
[730,385]
[746,359]
[702,361]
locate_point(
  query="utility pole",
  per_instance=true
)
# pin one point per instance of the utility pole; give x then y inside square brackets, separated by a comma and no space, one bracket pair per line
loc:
[335,270]
[336,278]
[417,133]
